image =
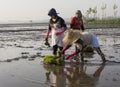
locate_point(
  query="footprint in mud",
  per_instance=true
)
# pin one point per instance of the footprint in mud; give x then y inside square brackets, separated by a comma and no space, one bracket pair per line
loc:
[8,60]
[114,79]
[9,45]
[24,57]
[29,47]
[111,57]
[40,48]
[16,59]
[24,53]
[2,47]
[23,46]
[117,73]
[31,59]
[33,56]
[38,54]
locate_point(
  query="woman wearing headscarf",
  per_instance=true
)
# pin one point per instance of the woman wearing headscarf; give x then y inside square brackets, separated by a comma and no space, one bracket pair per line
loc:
[76,22]
[57,28]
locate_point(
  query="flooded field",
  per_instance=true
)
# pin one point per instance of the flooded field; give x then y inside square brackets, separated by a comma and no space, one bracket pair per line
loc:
[21,56]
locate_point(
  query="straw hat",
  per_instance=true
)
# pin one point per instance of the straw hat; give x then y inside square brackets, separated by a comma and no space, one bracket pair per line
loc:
[71,37]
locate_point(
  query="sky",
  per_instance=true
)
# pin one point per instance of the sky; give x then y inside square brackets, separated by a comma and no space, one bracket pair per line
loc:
[37,10]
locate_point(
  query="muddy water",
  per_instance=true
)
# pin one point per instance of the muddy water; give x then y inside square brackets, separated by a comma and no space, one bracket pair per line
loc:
[16,43]
[93,73]
[29,71]
[110,44]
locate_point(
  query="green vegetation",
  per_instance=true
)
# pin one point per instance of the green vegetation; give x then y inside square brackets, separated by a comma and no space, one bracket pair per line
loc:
[88,49]
[102,23]
[53,60]
[93,19]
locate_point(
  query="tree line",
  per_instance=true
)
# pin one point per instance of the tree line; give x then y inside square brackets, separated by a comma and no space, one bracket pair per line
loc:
[92,12]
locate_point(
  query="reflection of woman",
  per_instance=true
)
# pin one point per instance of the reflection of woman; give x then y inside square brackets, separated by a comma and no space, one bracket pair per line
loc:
[57,27]
[79,78]
[58,78]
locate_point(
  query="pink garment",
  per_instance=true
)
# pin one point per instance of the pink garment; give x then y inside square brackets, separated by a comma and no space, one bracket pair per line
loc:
[62,31]
[70,55]
[63,50]
[47,35]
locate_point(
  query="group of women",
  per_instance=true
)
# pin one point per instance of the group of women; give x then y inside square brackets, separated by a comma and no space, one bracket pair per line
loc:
[75,35]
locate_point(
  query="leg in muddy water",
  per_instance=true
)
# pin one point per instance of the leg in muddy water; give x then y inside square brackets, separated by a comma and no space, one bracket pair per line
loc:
[59,53]
[82,57]
[100,53]
[81,54]
[55,47]
[62,51]
[78,55]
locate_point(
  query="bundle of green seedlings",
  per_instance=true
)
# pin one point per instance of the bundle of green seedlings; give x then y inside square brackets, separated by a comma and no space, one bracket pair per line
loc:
[53,60]
[88,49]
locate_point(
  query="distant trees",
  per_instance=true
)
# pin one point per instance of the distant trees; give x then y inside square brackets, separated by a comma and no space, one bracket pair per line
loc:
[91,13]
[103,8]
[93,19]
[115,10]
[88,13]
[94,11]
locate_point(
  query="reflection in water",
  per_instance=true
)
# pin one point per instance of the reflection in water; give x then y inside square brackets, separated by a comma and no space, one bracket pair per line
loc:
[88,55]
[58,78]
[78,76]
[72,76]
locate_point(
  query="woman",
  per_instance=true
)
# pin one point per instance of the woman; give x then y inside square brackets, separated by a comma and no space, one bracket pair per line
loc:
[57,26]
[76,22]
[81,40]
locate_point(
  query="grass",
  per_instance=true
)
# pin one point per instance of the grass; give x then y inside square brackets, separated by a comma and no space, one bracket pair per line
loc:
[102,23]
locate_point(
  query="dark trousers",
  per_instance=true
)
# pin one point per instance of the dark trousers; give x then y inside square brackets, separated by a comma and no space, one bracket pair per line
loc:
[55,48]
